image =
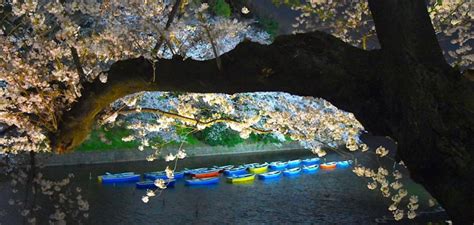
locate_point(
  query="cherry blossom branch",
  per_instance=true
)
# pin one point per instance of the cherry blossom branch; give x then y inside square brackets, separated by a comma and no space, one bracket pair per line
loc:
[171,17]
[186,119]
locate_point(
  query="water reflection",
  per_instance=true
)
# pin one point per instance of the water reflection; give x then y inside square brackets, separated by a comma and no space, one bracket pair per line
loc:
[324,197]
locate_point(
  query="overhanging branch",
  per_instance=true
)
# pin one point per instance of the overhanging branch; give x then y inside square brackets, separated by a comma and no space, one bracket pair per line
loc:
[193,121]
[312,64]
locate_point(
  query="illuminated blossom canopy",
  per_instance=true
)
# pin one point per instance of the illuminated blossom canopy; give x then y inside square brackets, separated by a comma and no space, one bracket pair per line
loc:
[352,22]
[52,50]
[315,123]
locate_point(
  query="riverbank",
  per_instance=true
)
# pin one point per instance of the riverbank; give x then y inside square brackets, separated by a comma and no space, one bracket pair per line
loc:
[131,155]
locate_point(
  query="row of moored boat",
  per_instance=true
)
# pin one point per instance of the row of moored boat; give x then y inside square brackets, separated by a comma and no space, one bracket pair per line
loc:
[234,174]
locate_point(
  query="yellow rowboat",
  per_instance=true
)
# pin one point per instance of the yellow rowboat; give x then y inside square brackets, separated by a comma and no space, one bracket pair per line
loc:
[263,168]
[241,178]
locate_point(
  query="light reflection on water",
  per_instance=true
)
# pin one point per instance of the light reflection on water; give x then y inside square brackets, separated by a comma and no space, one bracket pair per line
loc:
[325,197]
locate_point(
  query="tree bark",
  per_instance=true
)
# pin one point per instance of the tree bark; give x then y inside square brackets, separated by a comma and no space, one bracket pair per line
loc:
[404,29]
[405,90]
[430,105]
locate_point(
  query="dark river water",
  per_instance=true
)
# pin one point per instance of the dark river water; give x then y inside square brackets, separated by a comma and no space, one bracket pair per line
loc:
[326,197]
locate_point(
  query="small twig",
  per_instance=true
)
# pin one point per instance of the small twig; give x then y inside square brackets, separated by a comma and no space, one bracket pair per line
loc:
[451,13]
[3,18]
[176,161]
[171,17]
[14,28]
[214,47]
[77,62]
[153,64]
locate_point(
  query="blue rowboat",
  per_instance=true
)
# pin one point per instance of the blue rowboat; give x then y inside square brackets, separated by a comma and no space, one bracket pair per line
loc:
[150,184]
[99,178]
[343,164]
[202,181]
[294,163]
[278,165]
[235,171]
[311,161]
[162,175]
[311,168]
[119,178]
[250,165]
[222,168]
[292,171]
[190,171]
[269,175]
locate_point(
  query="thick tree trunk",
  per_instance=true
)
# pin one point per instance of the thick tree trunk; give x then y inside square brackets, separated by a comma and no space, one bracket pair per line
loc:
[405,90]
[431,116]
[430,105]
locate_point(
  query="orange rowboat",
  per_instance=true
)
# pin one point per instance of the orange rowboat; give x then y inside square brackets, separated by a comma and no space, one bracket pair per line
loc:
[328,166]
[206,174]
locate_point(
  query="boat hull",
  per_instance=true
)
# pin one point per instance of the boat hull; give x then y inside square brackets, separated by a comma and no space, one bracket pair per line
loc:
[278,166]
[269,175]
[343,164]
[258,170]
[107,179]
[241,178]
[99,178]
[328,166]
[222,168]
[292,172]
[191,171]
[235,171]
[206,174]
[151,184]
[294,163]
[204,181]
[162,175]
[310,169]
[312,161]
[250,165]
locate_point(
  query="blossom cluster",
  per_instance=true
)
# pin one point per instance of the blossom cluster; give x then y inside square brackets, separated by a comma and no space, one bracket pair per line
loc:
[315,123]
[162,184]
[390,186]
[50,49]
[351,22]
[452,21]
[28,185]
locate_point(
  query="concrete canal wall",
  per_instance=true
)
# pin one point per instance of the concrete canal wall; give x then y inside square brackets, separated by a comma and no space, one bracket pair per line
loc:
[128,155]
[78,158]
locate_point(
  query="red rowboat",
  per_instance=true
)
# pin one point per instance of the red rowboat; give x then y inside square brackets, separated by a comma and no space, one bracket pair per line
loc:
[206,173]
[328,166]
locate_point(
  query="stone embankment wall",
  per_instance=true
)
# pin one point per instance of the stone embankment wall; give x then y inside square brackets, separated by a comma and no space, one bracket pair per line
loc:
[78,158]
